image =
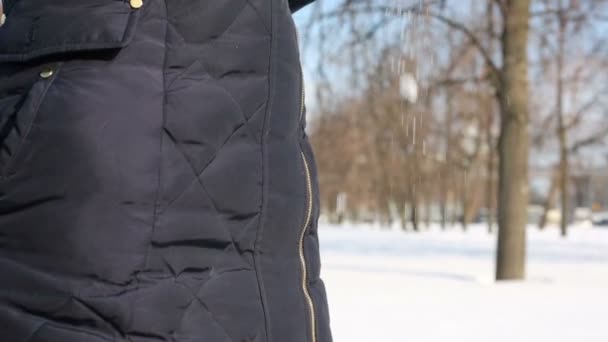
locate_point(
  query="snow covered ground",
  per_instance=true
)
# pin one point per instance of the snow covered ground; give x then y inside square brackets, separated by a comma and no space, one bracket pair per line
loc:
[389,286]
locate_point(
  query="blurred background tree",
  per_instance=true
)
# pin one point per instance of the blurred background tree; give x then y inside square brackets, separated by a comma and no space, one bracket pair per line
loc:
[472,141]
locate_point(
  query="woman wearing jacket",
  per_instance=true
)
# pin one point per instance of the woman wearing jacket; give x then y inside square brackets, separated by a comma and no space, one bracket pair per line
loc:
[156,181]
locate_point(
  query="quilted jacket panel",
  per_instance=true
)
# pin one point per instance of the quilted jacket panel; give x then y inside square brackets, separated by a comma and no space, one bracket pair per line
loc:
[156,183]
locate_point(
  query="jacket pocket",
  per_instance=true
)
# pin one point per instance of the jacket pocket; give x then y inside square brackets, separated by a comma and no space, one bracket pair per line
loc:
[36,39]
[18,112]
[43,29]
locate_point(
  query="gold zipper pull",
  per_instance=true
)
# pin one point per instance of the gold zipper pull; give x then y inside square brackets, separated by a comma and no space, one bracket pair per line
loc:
[136,3]
[46,73]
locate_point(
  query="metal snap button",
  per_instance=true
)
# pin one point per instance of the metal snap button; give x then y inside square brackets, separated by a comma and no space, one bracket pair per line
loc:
[136,3]
[46,73]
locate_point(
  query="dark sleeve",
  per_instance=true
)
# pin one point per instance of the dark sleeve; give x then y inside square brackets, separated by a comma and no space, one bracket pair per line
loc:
[295,5]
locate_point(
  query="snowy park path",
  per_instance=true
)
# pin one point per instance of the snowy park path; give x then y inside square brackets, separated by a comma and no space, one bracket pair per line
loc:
[437,286]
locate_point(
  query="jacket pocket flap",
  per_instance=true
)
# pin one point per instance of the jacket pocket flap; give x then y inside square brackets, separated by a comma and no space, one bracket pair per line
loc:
[35,29]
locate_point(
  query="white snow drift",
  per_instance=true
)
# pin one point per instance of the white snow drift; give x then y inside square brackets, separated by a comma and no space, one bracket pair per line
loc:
[389,286]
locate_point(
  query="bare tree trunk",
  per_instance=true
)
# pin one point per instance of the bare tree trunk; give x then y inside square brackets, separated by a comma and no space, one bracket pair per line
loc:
[465,206]
[489,138]
[414,217]
[403,217]
[443,209]
[384,193]
[445,169]
[454,205]
[414,208]
[514,142]
[386,210]
[428,212]
[549,202]
[490,181]
[564,177]
[561,129]
[413,201]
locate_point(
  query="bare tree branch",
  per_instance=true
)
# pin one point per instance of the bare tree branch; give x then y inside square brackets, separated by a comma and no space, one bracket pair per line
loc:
[467,32]
[592,139]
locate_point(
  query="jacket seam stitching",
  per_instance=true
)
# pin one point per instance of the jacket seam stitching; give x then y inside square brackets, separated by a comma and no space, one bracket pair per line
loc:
[265,175]
[158,183]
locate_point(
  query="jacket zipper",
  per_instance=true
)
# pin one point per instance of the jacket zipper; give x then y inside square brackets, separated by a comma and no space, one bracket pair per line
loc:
[309,195]
[303,95]
[305,289]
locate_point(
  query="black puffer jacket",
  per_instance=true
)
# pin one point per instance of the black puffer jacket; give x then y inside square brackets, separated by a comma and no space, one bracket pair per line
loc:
[156,183]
